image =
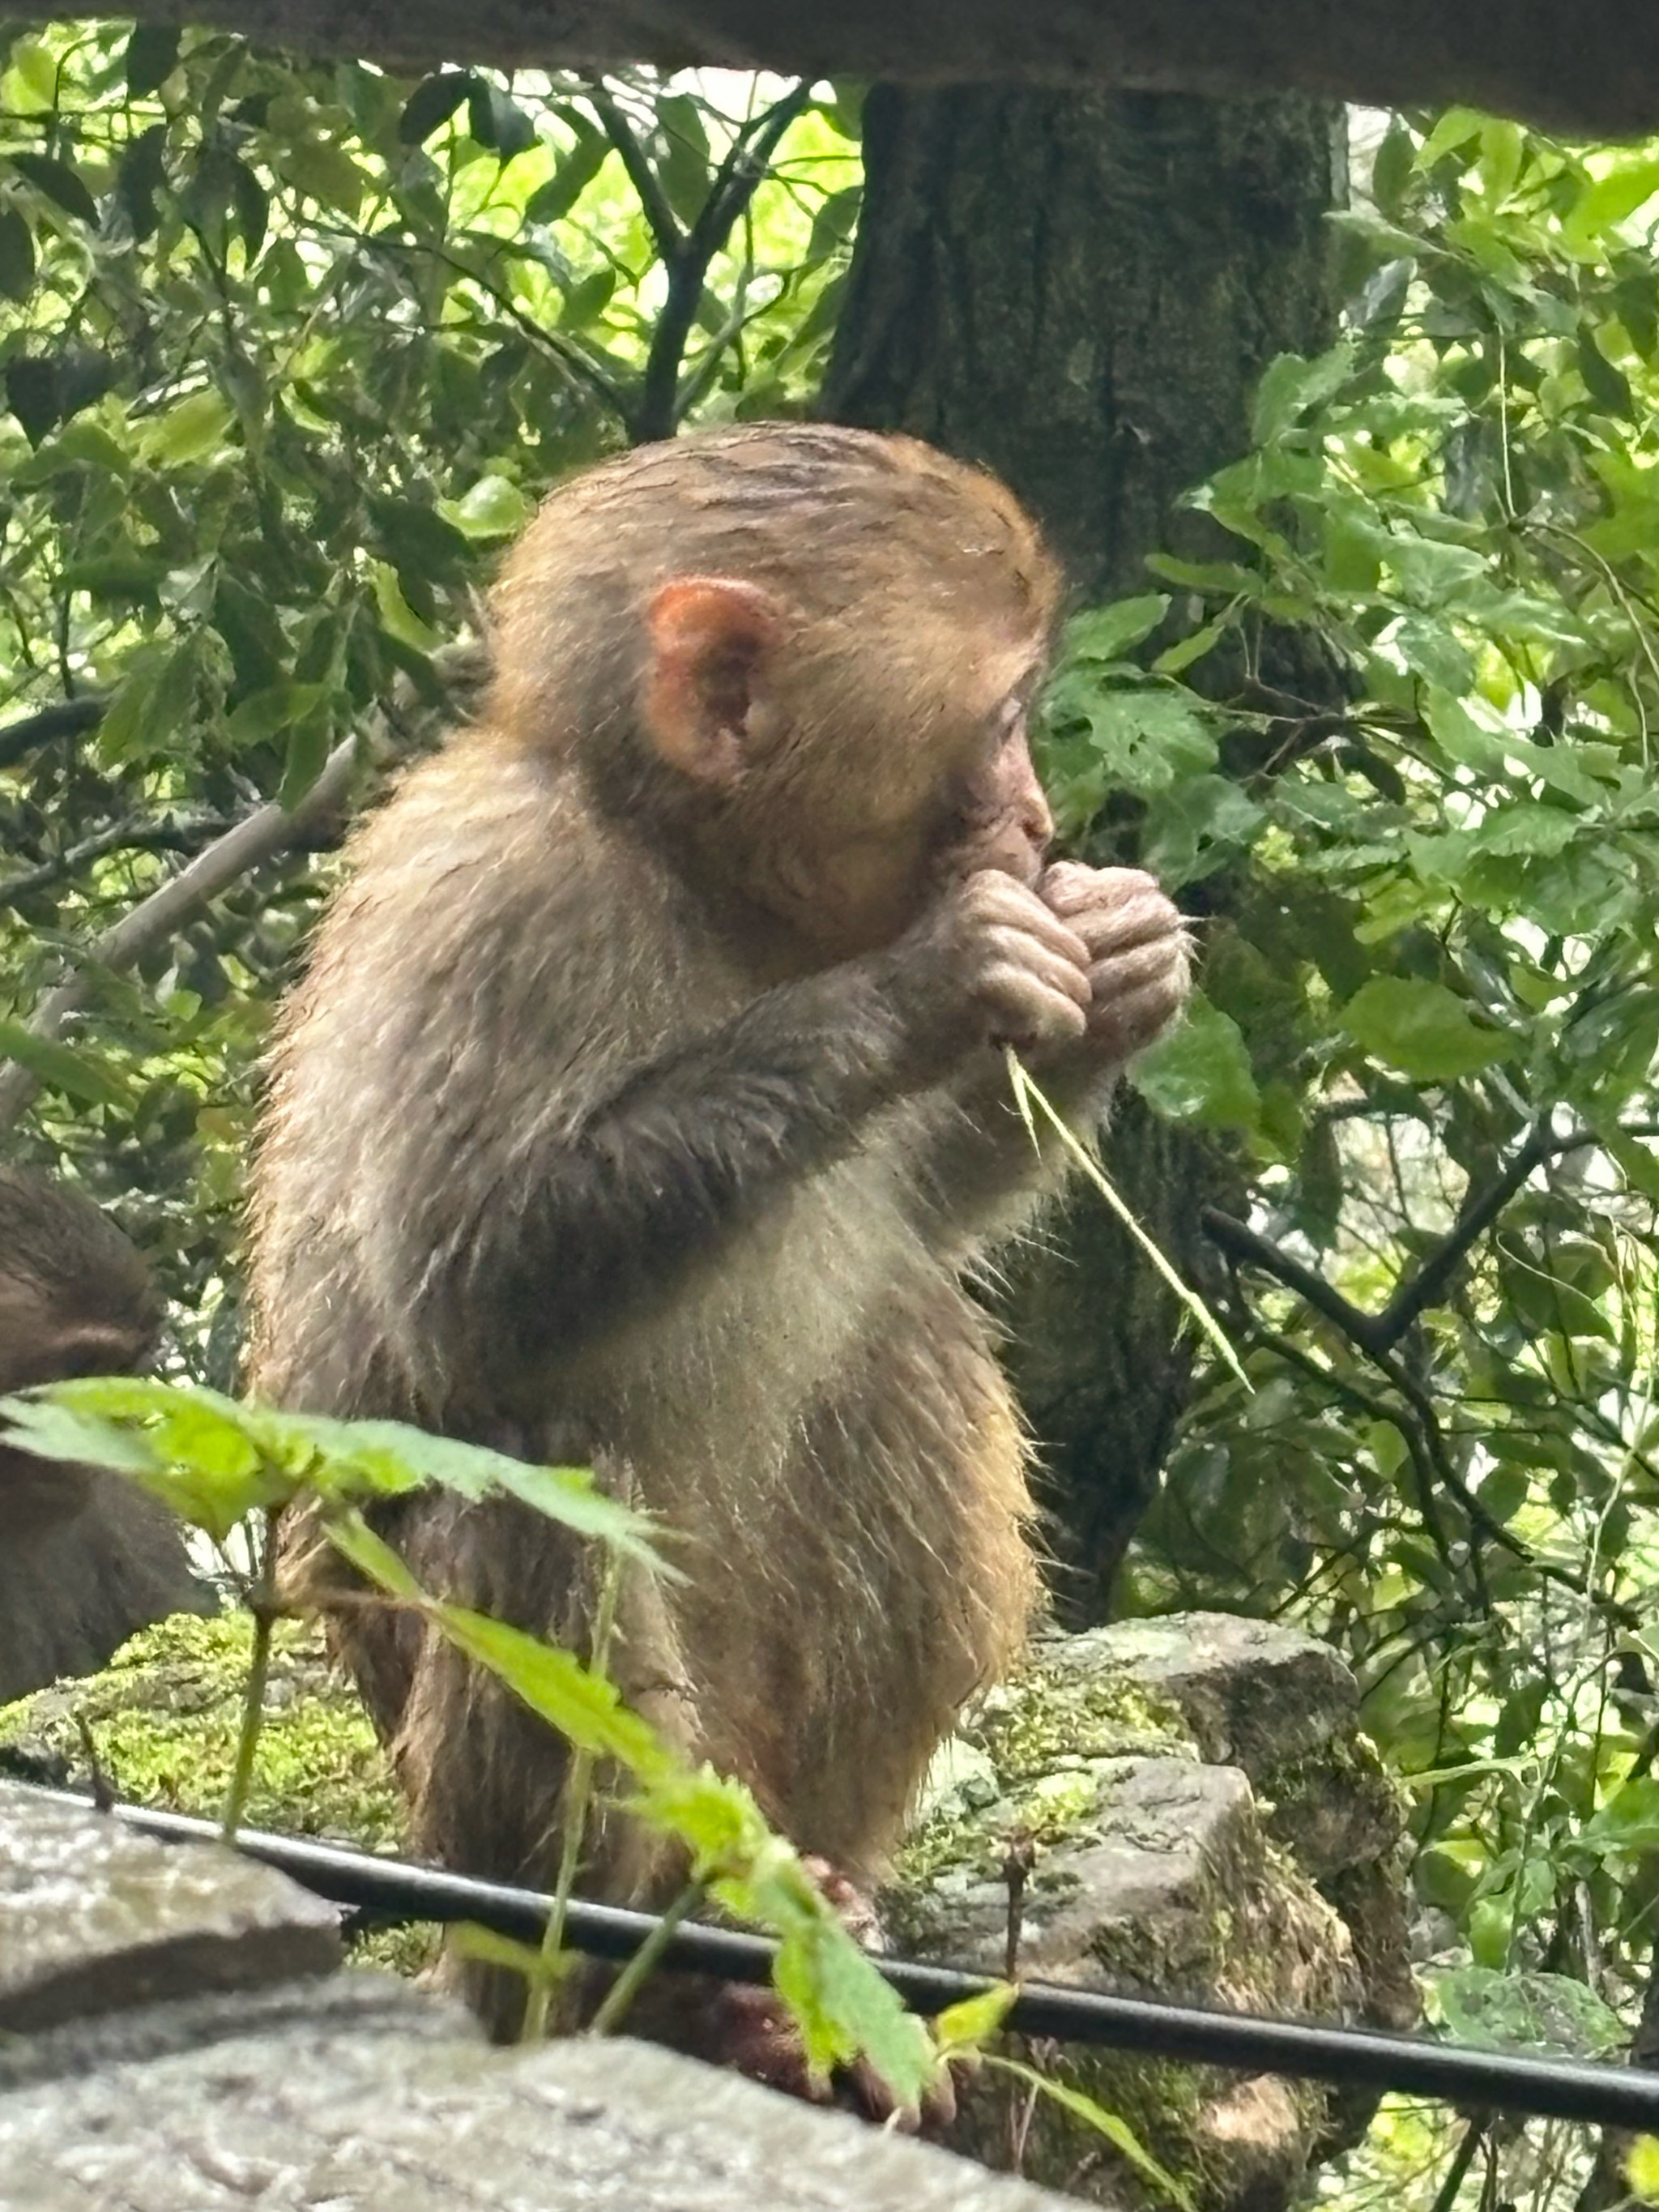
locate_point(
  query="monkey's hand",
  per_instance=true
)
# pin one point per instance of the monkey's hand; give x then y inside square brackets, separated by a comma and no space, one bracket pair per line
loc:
[750,2028]
[1138,957]
[990,965]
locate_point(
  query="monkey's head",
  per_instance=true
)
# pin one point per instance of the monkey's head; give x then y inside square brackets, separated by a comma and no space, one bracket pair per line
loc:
[808,654]
[75,1299]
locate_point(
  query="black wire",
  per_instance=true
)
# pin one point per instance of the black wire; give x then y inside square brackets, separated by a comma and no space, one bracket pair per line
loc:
[1478,2080]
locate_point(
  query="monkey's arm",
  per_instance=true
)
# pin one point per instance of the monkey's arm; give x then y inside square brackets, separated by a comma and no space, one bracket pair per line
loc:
[589,1224]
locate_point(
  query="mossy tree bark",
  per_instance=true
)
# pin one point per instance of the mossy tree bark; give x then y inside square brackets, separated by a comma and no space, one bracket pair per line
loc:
[1080,291]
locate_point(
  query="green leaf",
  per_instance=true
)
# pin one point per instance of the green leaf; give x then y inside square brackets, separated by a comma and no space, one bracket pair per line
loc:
[152,53]
[1456,128]
[189,431]
[497,121]
[493,507]
[60,183]
[1526,825]
[1611,200]
[267,712]
[16,255]
[325,171]
[1290,386]
[1606,384]
[1148,740]
[964,2029]
[1536,2011]
[1116,2131]
[1422,1029]
[1109,632]
[1642,2168]
[1201,1072]
[550,203]
[432,101]
[152,709]
[189,1448]
[1629,1821]
[62,1068]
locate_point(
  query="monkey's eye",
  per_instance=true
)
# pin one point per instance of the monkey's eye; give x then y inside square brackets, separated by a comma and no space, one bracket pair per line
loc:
[1007,720]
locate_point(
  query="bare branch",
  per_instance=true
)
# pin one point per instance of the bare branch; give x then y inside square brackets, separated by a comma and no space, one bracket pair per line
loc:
[64,718]
[263,835]
[665,233]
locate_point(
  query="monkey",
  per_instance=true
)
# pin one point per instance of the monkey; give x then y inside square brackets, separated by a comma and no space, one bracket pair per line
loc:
[644,1106]
[85,1559]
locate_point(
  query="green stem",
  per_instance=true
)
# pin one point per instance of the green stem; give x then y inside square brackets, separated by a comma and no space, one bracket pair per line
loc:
[627,1984]
[577,1796]
[261,1603]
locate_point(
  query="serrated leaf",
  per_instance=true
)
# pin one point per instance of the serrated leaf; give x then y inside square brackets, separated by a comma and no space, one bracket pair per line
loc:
[1201,1072]
[431,104]
[190,430]
[1422,1029]
[62,1068]
[152,53]
[16,255]
[60,183]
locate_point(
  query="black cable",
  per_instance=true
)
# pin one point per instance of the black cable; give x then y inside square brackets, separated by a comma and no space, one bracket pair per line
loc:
[1478,2080]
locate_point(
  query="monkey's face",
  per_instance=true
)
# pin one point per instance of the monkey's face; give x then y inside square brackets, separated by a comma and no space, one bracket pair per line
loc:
[845,782]
[40,1345]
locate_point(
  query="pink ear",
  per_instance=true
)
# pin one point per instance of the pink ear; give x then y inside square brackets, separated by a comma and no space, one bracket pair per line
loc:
[709,636]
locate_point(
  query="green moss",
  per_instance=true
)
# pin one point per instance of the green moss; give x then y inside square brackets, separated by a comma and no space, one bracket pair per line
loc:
[1048,1716]
[164,1719]
[165,1716]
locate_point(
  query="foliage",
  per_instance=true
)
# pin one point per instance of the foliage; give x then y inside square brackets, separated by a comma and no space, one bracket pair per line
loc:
[1428,1027]
[215,1463]
[288,351]
[285,353]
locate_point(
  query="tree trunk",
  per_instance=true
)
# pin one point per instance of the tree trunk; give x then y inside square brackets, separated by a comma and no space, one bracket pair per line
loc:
[1080,291]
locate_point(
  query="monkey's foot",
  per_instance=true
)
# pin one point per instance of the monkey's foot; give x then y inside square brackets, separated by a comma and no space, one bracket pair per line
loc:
[750,2030]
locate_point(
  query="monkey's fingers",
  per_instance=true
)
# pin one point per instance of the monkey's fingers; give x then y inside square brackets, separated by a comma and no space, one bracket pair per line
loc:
[1145,919]
[996,903]
[1069,887]
[1137,996]
[1031,1014]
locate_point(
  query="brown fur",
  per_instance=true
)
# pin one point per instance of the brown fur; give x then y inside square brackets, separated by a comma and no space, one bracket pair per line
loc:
[596,1132]
[85,1559]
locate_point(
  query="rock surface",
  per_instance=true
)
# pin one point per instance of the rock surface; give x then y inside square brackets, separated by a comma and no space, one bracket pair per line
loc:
[355,2091]
[1180,1809]
[94,1919]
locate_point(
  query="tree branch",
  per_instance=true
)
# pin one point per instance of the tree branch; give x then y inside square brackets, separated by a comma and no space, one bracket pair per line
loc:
[268,832]
[65,718]
[659,410]
[1479,1212]
[660,219]
[124,837]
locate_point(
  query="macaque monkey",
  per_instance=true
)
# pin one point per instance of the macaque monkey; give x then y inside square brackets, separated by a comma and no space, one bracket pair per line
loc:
[85,1558]
[645,1104]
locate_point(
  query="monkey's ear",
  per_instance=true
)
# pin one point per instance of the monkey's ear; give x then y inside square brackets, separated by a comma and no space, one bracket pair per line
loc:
[710,637]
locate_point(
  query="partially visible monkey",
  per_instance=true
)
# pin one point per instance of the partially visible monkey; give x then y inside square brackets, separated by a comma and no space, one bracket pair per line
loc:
[644,1106]
[85,1558]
